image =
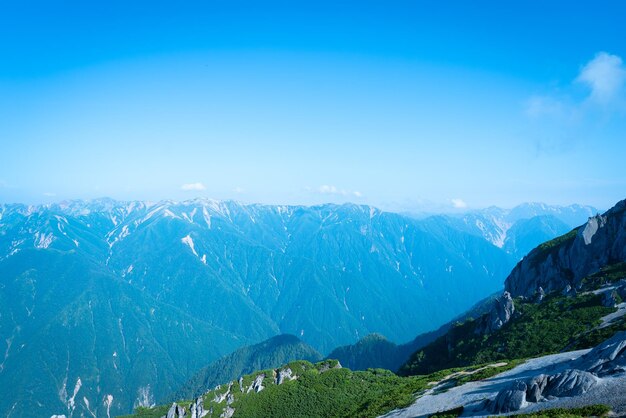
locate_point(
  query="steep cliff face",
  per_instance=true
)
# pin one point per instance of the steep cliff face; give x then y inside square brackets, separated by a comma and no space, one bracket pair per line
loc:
[561,264]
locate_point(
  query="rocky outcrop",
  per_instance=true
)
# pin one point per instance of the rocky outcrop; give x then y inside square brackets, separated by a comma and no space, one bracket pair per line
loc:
[607,358]
[257,384]
[330,364]
[220,397]
[509,400]
[571,382]
[566,260]
[196,408]
[228,412]
[175,411]
[284,374]
[501,312]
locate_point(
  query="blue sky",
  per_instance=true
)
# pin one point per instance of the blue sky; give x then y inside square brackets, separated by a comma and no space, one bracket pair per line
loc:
[404,105]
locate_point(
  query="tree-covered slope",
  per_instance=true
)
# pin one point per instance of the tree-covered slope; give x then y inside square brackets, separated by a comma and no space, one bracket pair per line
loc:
[82,340]
[559,322]
[225,274]
[302,389]
[568,318]
[273,352]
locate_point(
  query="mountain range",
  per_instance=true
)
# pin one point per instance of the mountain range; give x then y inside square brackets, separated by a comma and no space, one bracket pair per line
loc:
[552,344]
[106,306]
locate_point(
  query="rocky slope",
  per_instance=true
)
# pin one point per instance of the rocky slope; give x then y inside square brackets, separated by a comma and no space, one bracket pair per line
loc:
[567,380]
[588,313]
[562,263]
[553,300]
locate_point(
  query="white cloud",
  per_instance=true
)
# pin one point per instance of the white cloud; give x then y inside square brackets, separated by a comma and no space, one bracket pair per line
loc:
[605,75]
[239,190]
[563,119]
[538,106]
[327,189]
[334,190]
[458,203]
[193,187]
[49,194]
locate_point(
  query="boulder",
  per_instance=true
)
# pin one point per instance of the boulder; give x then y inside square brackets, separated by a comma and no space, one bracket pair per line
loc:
[535,388]
[571,382]
[510,400]
[607,358]
[501,312]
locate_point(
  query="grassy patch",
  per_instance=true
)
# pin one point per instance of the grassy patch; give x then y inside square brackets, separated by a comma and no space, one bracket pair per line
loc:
[450,413]
[324,391]
[586,411]
[488,372]
[606,275]
[537,329]
[544,249]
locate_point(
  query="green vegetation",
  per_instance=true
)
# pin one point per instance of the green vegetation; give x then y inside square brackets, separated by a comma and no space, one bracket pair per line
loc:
[486,371]
[451,413]
[544,249]
[322,390]
[607,274]
[586,411]
[536,329]
[142,412]
[273,352]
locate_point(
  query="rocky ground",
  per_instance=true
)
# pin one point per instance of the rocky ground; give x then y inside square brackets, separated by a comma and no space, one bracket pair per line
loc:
[479,398]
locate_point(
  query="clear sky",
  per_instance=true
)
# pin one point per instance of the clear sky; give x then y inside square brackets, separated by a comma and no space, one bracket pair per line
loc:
[404,105]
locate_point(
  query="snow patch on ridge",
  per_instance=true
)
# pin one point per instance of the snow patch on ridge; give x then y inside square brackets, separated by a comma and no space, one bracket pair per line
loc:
[207,217]
[189,242]
[43,241]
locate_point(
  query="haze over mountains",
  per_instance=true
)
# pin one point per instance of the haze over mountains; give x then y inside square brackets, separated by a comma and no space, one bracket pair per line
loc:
[555,338]
[108,305]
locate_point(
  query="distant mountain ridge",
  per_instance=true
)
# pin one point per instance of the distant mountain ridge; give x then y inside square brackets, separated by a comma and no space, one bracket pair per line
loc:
[584,274]
[520,229]
[220,274]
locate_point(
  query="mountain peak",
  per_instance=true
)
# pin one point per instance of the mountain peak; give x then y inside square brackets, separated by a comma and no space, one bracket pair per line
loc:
[564,261]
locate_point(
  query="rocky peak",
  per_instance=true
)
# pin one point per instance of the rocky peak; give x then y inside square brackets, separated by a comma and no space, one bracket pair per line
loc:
[566,260]
[501,312]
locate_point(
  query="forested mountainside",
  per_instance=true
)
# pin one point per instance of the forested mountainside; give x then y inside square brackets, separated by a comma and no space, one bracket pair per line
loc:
[122,302]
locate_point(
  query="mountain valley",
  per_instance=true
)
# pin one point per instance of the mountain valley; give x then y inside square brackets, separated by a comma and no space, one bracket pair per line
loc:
[554,339]
[109,306]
